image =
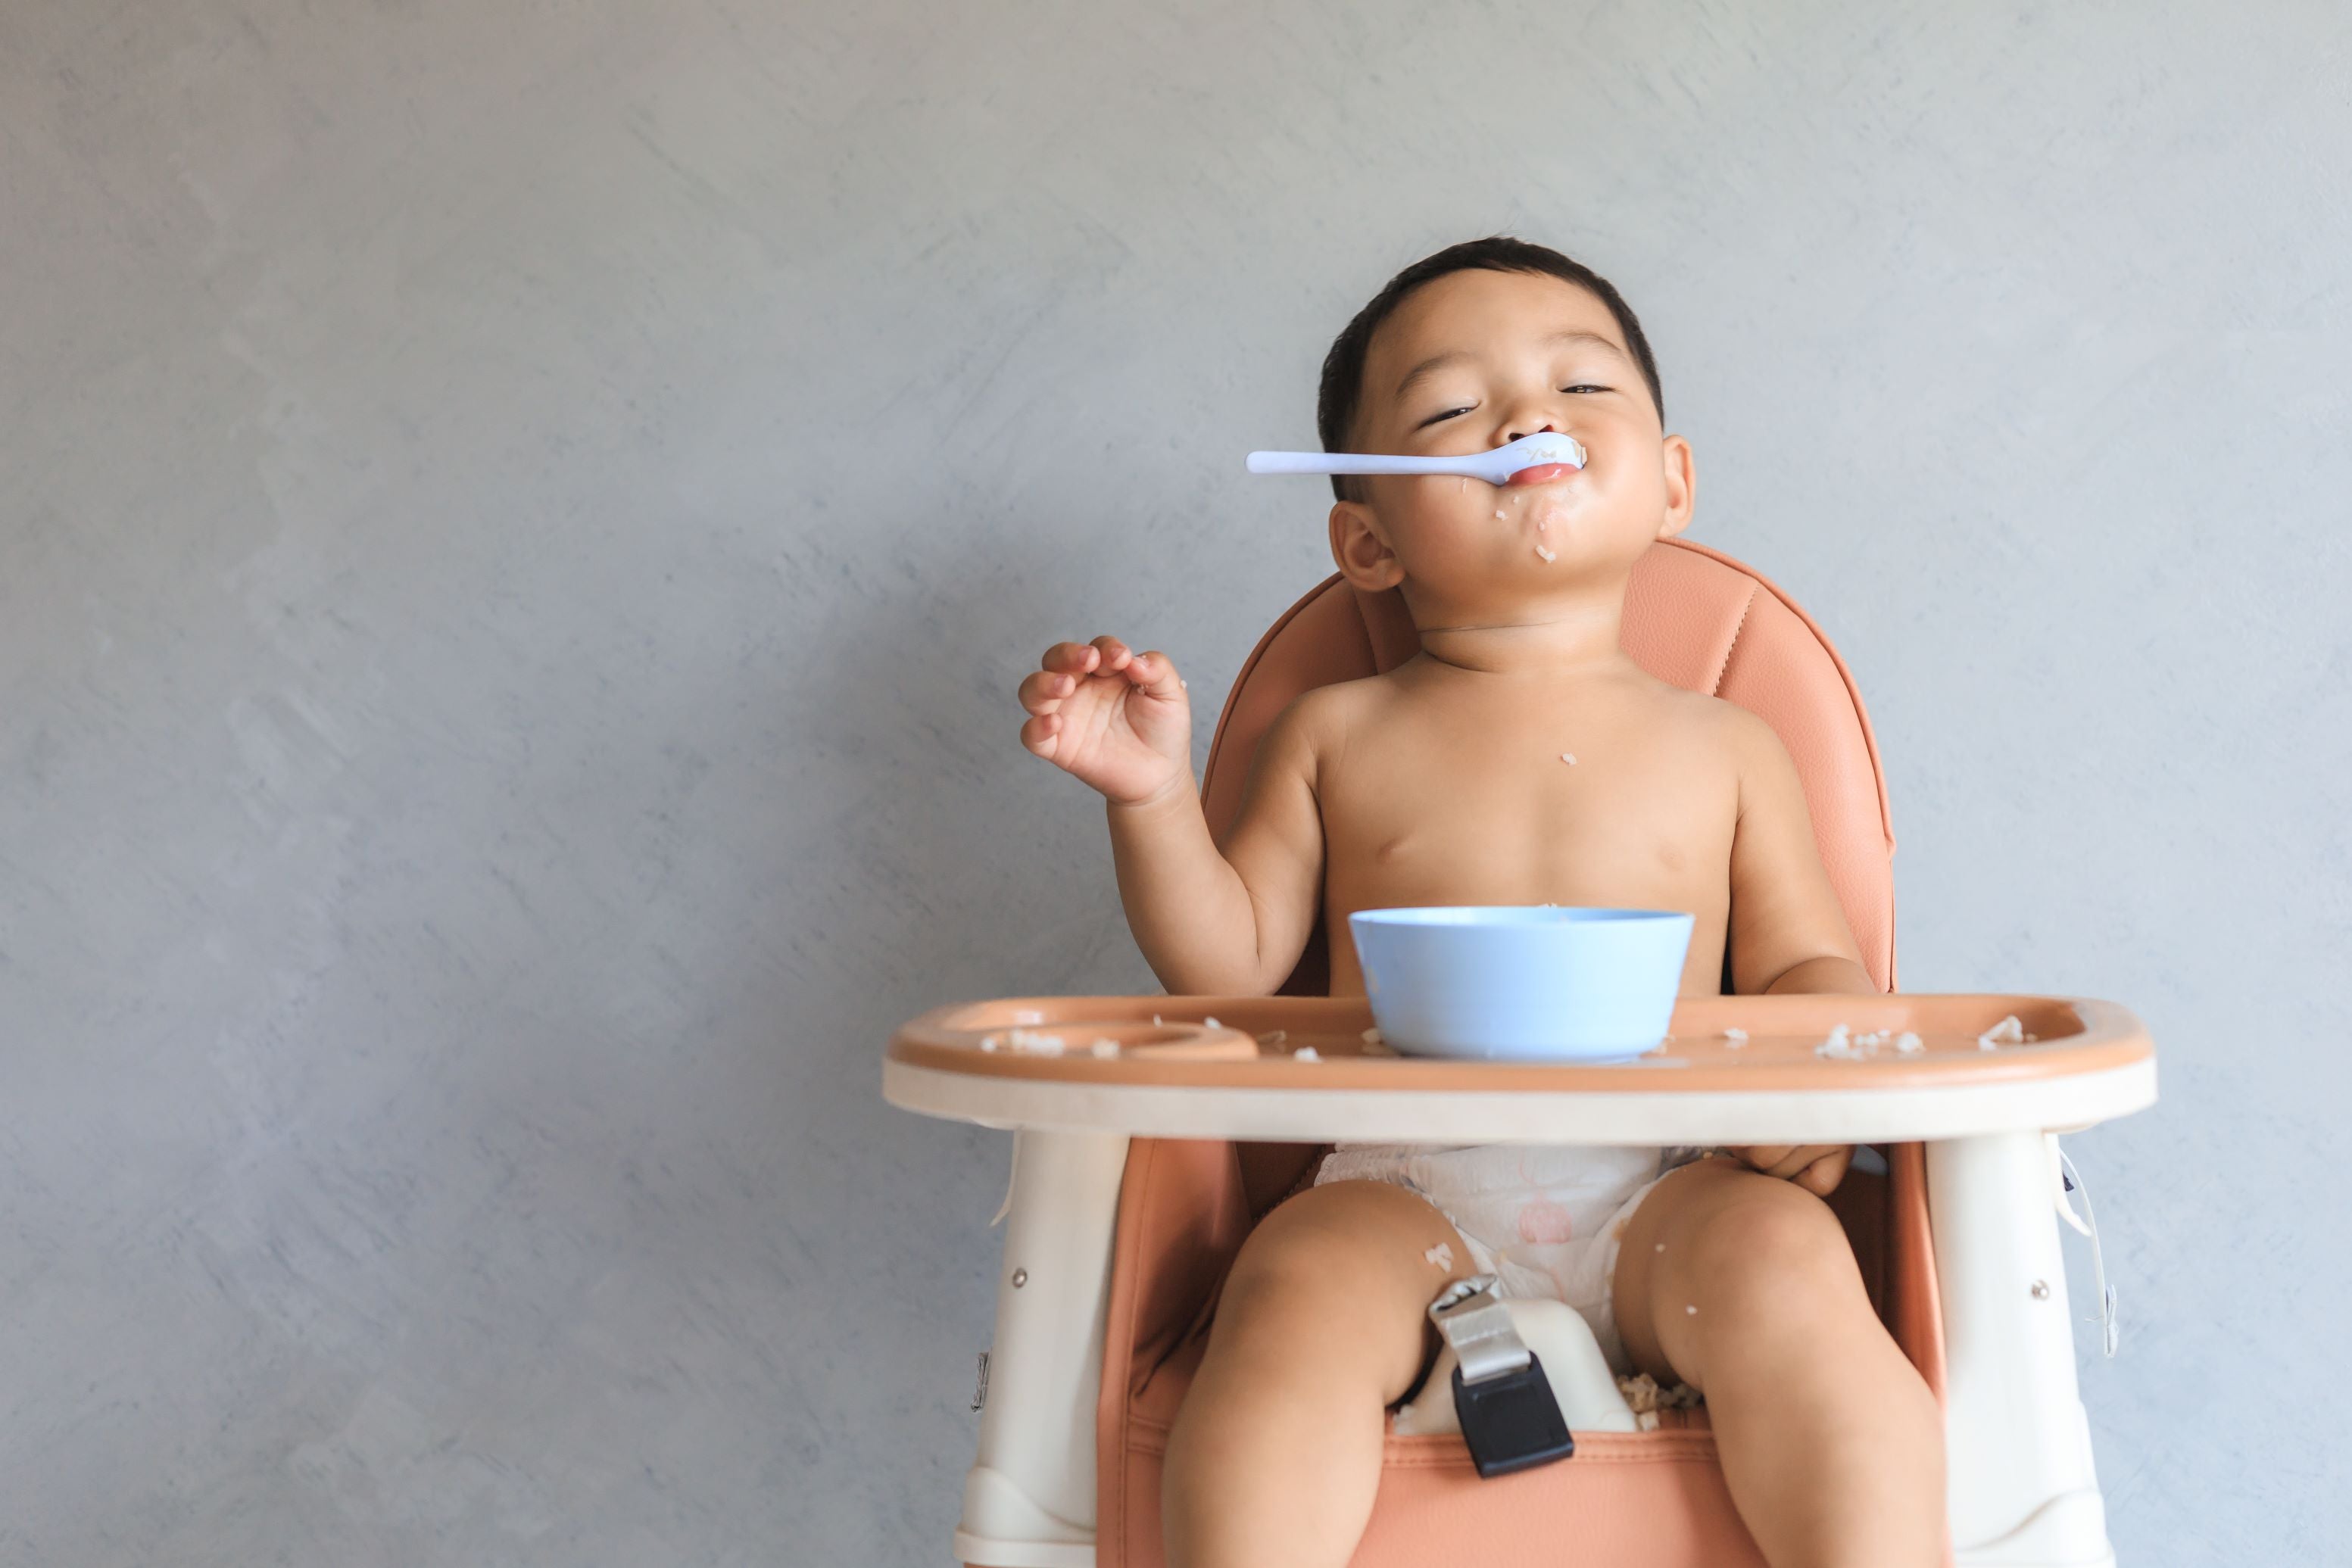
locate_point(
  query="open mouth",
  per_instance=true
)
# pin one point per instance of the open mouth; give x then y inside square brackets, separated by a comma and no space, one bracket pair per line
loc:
[1542,474]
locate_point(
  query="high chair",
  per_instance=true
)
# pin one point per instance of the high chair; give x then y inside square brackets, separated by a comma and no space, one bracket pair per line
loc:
[1162,1127]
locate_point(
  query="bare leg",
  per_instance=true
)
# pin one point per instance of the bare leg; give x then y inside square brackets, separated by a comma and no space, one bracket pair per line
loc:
[1276,1455]
[1832,1444]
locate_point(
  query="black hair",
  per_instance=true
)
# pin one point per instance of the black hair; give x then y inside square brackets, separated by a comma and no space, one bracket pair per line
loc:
[1342,389]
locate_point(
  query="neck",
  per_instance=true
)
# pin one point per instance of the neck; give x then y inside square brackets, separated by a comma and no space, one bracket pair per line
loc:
[1574,633]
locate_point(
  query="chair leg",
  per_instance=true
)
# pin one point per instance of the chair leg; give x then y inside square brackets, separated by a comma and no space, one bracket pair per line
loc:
[1029,1497]
[2022,1489]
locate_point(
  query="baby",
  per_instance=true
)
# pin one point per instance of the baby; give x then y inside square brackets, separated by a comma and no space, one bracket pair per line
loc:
[1450,780]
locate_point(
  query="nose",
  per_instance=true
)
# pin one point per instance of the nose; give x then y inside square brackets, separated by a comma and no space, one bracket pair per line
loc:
[1517,432]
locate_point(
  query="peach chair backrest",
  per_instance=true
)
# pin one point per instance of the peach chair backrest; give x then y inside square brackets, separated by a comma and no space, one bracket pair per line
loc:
[1694,616]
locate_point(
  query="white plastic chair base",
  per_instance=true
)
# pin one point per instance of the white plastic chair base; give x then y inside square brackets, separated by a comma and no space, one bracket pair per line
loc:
[2070,1530]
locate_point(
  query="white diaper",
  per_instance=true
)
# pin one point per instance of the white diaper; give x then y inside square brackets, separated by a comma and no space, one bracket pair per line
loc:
[1544,1218]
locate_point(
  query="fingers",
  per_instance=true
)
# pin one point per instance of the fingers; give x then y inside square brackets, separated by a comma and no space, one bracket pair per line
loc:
[1103,655]
[1057,675]
[1064,664]
[1071,658]
[1816,1168]
[1822,1177]
[1039,734]
[1043,690]
[1155,674]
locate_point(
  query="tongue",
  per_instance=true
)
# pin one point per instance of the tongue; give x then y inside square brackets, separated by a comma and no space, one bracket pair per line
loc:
[1543,475]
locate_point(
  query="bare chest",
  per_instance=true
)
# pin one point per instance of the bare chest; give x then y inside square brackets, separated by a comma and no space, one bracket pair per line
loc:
[1608,813]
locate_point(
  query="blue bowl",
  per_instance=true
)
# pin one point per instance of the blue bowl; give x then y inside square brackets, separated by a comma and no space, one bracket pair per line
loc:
[1512,982]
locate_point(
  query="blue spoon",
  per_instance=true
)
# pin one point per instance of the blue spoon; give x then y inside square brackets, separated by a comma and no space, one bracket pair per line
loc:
[1495,465]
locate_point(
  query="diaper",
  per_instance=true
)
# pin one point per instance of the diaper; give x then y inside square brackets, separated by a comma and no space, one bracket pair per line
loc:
[1544,1219]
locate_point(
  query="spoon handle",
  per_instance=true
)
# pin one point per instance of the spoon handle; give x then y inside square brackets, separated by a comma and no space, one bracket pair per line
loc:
[1474,464]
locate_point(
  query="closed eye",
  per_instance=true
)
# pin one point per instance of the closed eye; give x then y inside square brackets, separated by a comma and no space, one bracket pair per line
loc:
[1449,414]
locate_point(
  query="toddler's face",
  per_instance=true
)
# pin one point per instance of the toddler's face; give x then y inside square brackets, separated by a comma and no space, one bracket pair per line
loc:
[1471,362]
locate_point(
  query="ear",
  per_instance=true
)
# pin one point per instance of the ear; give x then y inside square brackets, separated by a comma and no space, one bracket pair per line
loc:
[1682,487]
[1362,555]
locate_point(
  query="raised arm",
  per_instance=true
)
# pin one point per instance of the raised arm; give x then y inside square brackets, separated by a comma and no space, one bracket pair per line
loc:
[1208,921]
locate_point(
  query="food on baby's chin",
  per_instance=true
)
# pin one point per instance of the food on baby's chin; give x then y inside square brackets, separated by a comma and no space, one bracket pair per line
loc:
[1442,1255]
[1306,1053]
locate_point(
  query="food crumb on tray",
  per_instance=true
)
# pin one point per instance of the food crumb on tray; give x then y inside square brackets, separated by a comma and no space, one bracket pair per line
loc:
[2008,1031]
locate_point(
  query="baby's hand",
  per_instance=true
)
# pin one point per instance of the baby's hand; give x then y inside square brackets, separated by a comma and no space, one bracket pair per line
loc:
[1114,718]
[1816,1168]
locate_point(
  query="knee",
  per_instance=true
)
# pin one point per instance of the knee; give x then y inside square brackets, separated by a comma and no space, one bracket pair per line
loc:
[1775,1245]
[1302,1252]
[1327,1264]
[1278,1270]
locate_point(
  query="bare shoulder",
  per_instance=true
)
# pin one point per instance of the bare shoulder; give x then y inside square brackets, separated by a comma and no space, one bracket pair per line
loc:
[1316,724]
[1333,709]
[1741,730]
[1710,721]
[1744,744]
[1750,745]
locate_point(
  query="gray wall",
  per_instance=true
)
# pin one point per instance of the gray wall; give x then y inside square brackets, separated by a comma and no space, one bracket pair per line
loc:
[521,525]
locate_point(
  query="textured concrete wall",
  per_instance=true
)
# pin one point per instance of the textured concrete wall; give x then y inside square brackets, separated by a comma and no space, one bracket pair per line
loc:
[519,526]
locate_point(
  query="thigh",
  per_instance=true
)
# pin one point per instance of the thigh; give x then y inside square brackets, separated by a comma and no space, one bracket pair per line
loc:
[1719,1236]
[1346,1269]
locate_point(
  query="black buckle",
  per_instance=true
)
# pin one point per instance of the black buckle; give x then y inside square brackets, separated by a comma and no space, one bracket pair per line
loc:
[1509,1416]
[1511,1420]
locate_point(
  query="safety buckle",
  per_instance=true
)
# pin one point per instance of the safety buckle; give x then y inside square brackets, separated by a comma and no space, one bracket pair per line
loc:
[1509,1416]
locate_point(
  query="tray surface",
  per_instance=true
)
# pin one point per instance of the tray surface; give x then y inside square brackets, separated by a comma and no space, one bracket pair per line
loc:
[1256,1043]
